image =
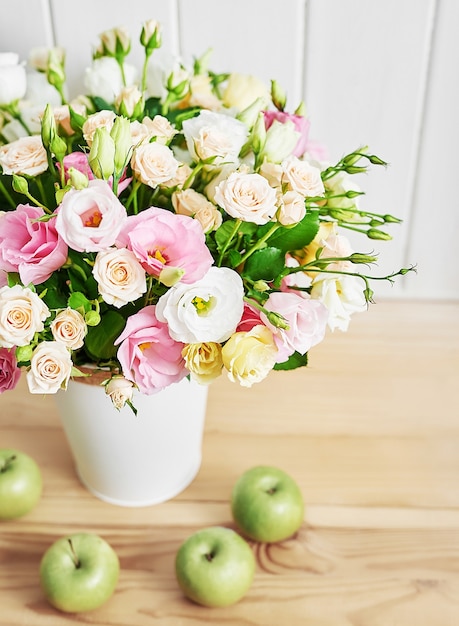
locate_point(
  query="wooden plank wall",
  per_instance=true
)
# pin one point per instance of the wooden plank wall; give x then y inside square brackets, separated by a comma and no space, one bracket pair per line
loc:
[376,73]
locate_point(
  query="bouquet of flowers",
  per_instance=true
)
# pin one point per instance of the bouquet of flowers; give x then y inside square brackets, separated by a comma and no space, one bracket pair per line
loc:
[168,223]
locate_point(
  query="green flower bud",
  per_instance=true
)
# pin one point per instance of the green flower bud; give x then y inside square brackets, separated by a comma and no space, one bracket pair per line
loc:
[48,127]
[390,219]
[375,233]
[55,72]
[121,135]
[260,285]
[277,320]
[58,147]
[250,114]
[20,184]
[77,179]
[278,95]
[301,109]
[359,257]
[258,137]
[102,154]
[92,318]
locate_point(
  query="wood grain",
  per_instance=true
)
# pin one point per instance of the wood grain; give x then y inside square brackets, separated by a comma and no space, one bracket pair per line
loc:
[370,431]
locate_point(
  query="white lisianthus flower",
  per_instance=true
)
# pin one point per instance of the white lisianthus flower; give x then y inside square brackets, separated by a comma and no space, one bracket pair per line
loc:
[13,81]
[22,313]
[281,139]
[119,275]
[250,356]
[203,361]
[342,295]
[153,164]
[248,197]
[26,155]
[207,310]
[69,328]
[302,177]
[104,79]
[119,390]
[212,134]
[40,92]
[50,368]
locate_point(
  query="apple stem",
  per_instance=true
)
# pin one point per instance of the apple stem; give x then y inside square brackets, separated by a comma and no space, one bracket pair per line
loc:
[210,556]
[76,560]
[7,462]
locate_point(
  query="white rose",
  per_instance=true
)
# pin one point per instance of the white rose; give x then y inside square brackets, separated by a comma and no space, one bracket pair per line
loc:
[26,155]
[128,99]
[50,368]
[211,134]
[119,275]
[207,310]
[248,197]
[160,127]
[201,93]
[69,328]
[243,89]
[101,119]
[104,78]
[292,208]
[13,81]
[302,177]
[195,204]
[181,176]
[22,313]
[153,164]
[342,295]
[120,390]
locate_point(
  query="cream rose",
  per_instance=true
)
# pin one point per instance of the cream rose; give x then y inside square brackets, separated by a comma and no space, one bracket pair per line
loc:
[50,368]
[22,313]
[211,134]
[203,361]
[160,127]
[182,174]
[69,328]
[120,391]
[292,208]
[302,177]
[101,119]
[248,197]
[119,275]
[153,164]
[190,202]
[26,155]
[249,356]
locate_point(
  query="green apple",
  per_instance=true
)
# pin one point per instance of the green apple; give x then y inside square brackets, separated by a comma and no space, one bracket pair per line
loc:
[79,572]
[20,483]
[267,504]
[215,567]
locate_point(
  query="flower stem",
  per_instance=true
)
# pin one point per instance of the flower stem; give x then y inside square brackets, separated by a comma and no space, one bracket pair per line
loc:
[260,243]
[236,227]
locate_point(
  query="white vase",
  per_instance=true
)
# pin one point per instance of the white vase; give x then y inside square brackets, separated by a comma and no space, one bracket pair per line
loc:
[135,460]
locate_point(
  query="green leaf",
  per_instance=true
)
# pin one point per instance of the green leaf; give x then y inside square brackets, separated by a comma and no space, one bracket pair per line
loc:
[102,105]
[265,264]
[100,339]
[295,360]
[287,239]
[78,300]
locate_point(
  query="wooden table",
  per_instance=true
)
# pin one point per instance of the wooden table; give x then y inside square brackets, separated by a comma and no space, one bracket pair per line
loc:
[370,430]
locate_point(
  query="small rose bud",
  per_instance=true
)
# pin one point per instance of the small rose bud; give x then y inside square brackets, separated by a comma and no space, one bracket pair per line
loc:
[151,36]
[20,184]
[375,233]
[120,391]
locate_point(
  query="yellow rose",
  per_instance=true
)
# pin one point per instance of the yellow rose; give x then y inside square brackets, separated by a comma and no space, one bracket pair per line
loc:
[249,356]
[242,90]
[204,361]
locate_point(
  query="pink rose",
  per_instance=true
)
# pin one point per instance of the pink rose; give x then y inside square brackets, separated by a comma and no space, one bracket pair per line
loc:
[167,244]
[301,125]
[90,219]
[32,248]
[9,370]
[307,323]
[148,355]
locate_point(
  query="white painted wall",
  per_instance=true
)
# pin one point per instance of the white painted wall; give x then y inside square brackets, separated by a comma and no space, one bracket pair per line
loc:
[382,73]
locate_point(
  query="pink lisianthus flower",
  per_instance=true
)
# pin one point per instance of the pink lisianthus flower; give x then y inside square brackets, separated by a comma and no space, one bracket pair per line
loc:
[169,246]
[149,357]
[90,219]
[32,248]
[79,161]
[9,370]
[301,124]
[306,323]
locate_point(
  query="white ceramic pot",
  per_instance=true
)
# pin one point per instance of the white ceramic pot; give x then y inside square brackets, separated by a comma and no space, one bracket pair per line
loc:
[135,460]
